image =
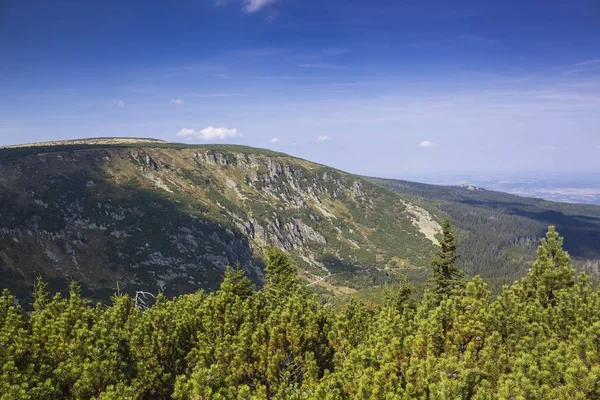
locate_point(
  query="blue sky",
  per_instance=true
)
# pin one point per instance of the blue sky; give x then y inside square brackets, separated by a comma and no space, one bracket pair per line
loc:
[388,88]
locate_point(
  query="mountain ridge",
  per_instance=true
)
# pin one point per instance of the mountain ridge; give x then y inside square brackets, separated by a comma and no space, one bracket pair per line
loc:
[170,217]
[164,216]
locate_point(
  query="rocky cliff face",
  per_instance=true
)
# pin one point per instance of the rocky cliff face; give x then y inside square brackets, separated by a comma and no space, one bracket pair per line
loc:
[166,217]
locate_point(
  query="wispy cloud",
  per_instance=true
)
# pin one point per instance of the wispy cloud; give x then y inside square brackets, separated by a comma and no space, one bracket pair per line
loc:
[318,55]
[582,67]
[221,76]
[568,96]
[587,63]
[335,52]
[324,66]
[256,52]
[251,6]
[177,102]
[427,144]
[322,138]
[475,39]
[271,18]
[275,140]
[120,104]
[209,133]
[61,90]
[209,95]
[548,147]
[68,116]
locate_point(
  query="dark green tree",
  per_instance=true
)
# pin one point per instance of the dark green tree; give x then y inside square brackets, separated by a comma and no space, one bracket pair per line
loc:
[398,295]
[446,277]
[552,271]
[281,273]
[235,281]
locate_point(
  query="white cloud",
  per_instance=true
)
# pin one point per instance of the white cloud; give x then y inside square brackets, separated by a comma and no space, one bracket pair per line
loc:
[121,104]
[251,6]
[322,138]
[177,101]
[427,144]
[548,147]
[275,140]
[209,133]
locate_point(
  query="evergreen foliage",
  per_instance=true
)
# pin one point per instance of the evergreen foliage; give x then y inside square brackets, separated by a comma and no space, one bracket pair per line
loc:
[446,277]
[539,339]
[281,274]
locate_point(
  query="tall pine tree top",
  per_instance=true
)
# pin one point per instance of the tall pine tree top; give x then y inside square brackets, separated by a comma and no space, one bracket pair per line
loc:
[447,277]
[281,274]
[552,271]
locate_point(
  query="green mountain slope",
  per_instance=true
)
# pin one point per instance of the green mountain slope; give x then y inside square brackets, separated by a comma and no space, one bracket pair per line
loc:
[149,215]
[500,231]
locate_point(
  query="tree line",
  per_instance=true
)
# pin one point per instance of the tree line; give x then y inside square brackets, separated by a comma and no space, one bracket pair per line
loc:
[538,339]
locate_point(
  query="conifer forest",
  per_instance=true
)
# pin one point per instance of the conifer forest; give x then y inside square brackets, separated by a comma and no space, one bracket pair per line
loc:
[537,339]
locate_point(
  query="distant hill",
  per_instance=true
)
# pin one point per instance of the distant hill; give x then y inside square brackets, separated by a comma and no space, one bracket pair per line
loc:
[157,216]
[88,142]
[501,231]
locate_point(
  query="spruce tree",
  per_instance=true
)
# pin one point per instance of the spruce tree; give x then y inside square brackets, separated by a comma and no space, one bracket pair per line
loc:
[281,273]
[237,283]
[40,294]
[398,295]
[552,271]
[447,277]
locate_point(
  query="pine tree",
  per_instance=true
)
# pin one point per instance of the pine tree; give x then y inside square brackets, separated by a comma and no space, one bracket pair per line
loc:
[447,277]
[539,339]
[552,271]
[40,294]
[398,295]
[281,274]
[236,282]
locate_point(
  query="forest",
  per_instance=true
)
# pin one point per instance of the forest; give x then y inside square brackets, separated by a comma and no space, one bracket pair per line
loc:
[498,232]
[537,339]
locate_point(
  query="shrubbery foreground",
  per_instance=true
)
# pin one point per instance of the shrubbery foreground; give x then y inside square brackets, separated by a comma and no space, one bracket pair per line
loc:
[539,339]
